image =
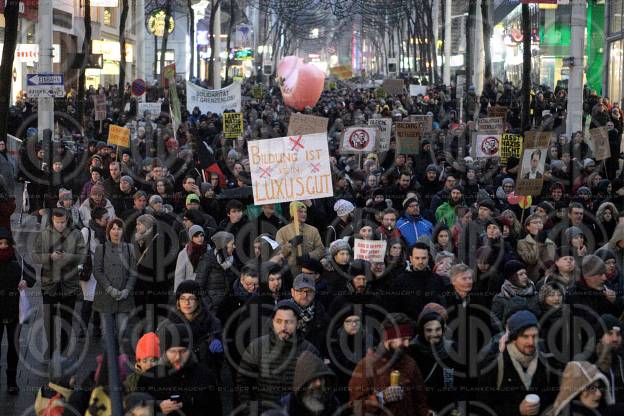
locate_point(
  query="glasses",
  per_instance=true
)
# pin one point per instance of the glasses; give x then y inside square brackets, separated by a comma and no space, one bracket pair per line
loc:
[190,299]
[352,321]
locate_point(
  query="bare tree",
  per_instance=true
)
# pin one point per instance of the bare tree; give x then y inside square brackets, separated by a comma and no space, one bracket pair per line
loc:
[487,35]
[11,13]
[526,66]
[121,93]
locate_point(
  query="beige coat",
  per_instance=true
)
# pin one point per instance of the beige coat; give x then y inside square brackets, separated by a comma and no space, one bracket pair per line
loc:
[312,244]
[535,255]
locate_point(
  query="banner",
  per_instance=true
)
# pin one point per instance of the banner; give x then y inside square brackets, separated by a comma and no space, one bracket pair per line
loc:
[497,111]
[373,251]
[510,145]
[493,124]
[301,124]
[531,177]
[341,72]
[213,101]
[358,140]
[424,122]
[153,108]
[416,90]
[233,125]
[407,138]
[119,136]
[290,168]
[99,102]
[486,145]
[384,126]
[600,143]
[393,86]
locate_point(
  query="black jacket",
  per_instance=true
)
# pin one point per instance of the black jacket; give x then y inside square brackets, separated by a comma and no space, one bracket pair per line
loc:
[412,290]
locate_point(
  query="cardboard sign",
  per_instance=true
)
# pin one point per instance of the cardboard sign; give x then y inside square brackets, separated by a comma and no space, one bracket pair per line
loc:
[358,140]
[290,168]
[493,124]
[540,139]
[416,90]
[384,127]
[511,145]
[213,101]
[600,143]
[99,102]
[425,123]
[373,251]
[407,138]
[119,136]
[301,124]
[341,72]
[486,145]
[498,111]
[232,125]
[393,86]
[530,180]
[257,91]
[153,108]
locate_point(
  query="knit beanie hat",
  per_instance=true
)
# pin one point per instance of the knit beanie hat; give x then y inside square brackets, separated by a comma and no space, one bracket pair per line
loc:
[312,265]
[572,232]
[188,286]
[221,239]
[147,220]
[605,254]
[487,203]
[294,206]
[606,323]
[190,198]
[147,347]
[428,316]
[593,266]
[337,246]
[128,179]
[155,199]
[171,336]
[547,289]
[359,268]
[194,230]
[343,207]
[564,251]
[431,168]
[520,321]
[512,267]
[232,154]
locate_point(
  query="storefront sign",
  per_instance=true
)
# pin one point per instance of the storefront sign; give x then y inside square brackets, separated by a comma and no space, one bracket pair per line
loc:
[301,124]
[156,23]
[213,101]
[358,140]
[111,50]
[27,9]
[232,125]
[28,53]
[290,168]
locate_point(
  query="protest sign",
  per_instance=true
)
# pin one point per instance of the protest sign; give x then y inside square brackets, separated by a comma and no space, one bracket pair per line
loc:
[486,145]
[341,72]
[493,124]
[213,101]
[99,102]
[416,90]
[290,168]
[407,138]
[300,124]
[393,86]
[174,101]
[232,125]
[358,140]
[257,91]
[373,251]
[511,145]
[425,122]
[153,108]
[600,143]
[119,136]
[498,111]
[531,177]
[384,125]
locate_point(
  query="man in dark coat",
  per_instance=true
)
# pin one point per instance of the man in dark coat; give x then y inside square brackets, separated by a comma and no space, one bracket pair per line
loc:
[312,315]
[183,385]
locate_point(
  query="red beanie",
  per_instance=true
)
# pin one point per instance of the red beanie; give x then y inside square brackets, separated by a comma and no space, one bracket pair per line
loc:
[148,346]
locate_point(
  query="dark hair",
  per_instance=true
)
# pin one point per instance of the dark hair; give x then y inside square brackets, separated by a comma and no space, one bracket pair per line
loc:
[188,177]
[390,211]
[98,212]
[250,270]
[537,152]
[577,205]
[419,245]
[59,212]
[395,319]
[233,204]
[115,221]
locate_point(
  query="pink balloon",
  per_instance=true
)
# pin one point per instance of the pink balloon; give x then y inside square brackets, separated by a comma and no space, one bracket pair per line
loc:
[301,84]
[513,199]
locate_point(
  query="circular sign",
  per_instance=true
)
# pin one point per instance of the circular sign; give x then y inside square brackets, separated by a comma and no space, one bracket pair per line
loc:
[359,139]
[138,87]
[489,146]
[156,23]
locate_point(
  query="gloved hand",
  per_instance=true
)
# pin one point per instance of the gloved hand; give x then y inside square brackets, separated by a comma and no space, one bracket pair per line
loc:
[296,241]
[392,394]
[302,258]
[215,346]
[541,236]
[113,293]
[123,294]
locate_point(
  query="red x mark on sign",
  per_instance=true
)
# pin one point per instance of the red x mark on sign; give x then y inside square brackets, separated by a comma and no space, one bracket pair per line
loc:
[265,172]
[296,142]
[316,167]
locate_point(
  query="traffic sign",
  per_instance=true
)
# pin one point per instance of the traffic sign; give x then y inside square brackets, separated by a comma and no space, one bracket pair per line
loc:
[45,85]
[138,87]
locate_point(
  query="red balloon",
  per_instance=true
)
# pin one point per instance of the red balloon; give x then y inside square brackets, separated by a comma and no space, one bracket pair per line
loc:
[301,84]
[513,199]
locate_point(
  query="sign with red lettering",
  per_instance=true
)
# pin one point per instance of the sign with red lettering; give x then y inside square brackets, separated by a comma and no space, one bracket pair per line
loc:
[373,251]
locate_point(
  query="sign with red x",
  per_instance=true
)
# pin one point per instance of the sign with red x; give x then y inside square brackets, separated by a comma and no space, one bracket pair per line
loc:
[296,142]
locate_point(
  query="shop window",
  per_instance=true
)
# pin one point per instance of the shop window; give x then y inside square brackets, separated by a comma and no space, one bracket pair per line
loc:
[615,15]
[616,54]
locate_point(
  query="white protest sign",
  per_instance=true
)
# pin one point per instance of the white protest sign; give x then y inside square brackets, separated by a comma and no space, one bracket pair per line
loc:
[384,125]
[490,124]
[153,108]
[358,140]
[416,90]
[290,168]
[487,145]
[213,101]
[373,251]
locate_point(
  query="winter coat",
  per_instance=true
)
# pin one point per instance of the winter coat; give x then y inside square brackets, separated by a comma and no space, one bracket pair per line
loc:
[413,228]
[205,328]
[580,295]
[215,282]
[114,265]
[85,210]
[372,375]
[312,244]
[10,275]
[8,172]
[412,290]
[59,277]
[535,255]
[184,269]
[501,303]
[194,383]
[267,368]
[618,235]
[156,268]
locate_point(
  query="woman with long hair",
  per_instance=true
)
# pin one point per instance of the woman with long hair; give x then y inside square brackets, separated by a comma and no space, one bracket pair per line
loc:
[189,256]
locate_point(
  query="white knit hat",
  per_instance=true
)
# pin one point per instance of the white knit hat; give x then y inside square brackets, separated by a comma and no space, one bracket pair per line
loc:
[343,207]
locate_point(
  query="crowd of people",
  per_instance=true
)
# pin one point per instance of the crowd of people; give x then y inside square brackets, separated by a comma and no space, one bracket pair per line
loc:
[217,305]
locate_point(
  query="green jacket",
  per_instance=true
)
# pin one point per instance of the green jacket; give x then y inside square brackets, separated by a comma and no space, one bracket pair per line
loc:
[446,213]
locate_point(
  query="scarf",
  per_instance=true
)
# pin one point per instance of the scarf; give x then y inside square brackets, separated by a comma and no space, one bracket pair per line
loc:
[7,254]
[142,237]
[525,365]
[509,290]
[99,233]
[194,252]
[224,262]
[306,316]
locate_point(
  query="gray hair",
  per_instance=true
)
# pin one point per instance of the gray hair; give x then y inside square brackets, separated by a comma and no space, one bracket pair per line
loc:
[459,268]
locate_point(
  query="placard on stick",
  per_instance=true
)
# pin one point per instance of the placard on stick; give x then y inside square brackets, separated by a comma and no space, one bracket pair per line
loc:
[232,125]
[493,124]
[408,137]
[301,124]
[511,145]
[119,136]
[600,143]
[384,126]
[498,111]
[425,122]
[531,177]
[486,145]
[393,86]
[358,140]
[373,251]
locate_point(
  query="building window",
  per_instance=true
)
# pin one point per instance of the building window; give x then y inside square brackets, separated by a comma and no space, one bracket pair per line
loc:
[615,15]
[616,53]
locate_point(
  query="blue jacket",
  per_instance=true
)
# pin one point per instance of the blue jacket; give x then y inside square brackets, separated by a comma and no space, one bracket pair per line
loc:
[413,228]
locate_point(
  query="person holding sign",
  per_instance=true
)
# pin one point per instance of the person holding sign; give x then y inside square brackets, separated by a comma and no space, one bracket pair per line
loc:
[299,240]
[535,172]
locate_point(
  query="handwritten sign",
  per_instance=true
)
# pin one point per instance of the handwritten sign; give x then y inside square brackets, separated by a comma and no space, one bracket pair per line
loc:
[232,125]
[408,137]
[493,124]
[301,124]
[384,127]
[498,111]
[119,136]
[416,90]
[511,145]
[600,143]
[373,251]
[358,140]
[99,102]
[425,123]
[153,108]
[290,168]
[393,86]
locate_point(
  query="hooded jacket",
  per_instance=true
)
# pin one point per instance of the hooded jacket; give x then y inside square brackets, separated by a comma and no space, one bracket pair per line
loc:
[413,228]
[618,235]
[576,377]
